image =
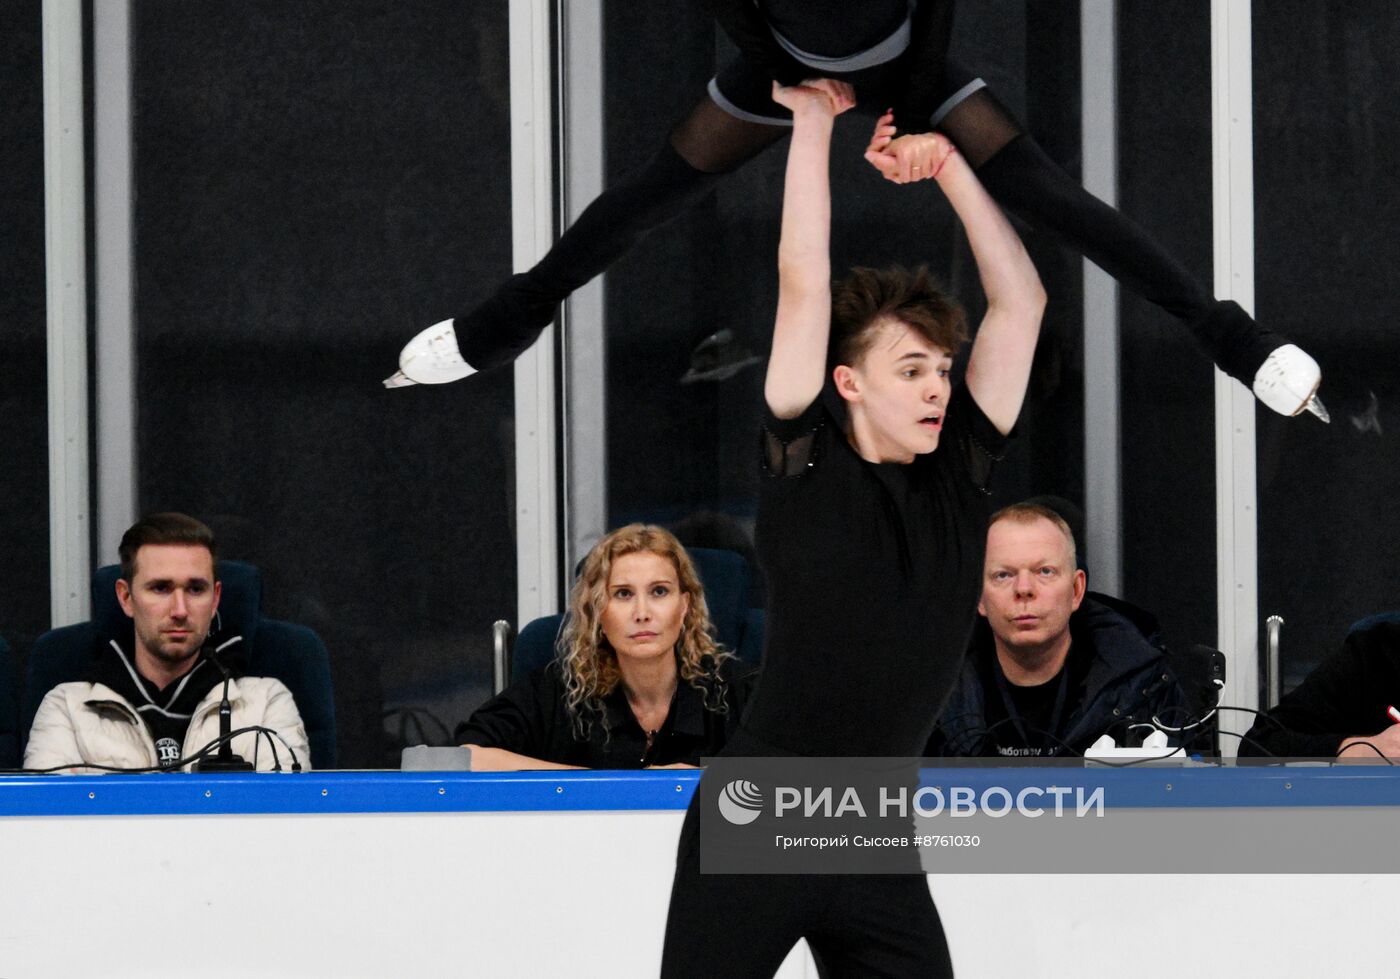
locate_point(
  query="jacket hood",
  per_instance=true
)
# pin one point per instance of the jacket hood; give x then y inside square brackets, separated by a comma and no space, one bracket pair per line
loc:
[1125,640]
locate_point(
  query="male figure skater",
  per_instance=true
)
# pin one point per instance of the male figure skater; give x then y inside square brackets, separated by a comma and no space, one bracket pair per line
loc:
[871,526]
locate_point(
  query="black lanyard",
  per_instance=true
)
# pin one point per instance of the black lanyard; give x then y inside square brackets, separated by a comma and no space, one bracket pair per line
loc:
[1049,739]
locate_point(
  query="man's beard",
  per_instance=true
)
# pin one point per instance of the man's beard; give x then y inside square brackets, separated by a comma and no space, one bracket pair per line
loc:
[173,657]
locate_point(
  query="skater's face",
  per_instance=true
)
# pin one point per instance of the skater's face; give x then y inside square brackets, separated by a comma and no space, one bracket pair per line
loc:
[898,393]
[171,599]
[645,608]
[1031,584]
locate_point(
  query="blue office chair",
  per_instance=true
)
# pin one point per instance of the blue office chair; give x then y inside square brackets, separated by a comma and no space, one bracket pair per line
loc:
[725,576]
[291,653]
[9,712]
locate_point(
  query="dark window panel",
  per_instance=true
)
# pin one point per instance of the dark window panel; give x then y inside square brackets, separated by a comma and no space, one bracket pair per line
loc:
[315,183]
[1327,202]
[1168,394]
[24,478]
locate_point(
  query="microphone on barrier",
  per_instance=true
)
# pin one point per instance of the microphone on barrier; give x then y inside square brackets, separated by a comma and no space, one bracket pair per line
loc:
[1201,670]
[1217,666]
[225,760]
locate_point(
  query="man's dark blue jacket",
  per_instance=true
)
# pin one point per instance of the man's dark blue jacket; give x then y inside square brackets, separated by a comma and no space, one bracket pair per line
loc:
[1127,681]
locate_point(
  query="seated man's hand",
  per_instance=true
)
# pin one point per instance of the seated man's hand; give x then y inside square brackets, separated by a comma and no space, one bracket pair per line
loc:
[674,764]
[1386,743]
[822,96]
[908,158]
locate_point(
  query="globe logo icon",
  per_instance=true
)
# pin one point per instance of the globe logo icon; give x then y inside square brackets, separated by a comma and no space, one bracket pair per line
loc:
[740,802]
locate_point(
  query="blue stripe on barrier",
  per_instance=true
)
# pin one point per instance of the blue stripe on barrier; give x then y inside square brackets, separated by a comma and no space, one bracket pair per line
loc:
[1204,787]
[343,792]
[426,792]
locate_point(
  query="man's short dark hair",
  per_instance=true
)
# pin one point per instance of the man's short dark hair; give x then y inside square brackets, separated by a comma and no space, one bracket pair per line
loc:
[163,528]
[865,298]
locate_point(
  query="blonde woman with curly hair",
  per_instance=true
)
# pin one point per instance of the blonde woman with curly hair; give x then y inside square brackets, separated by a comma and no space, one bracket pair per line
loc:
[638,682]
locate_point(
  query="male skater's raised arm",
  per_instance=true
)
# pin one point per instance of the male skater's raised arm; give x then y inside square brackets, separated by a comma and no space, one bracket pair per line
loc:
[797,365]
[1000,365]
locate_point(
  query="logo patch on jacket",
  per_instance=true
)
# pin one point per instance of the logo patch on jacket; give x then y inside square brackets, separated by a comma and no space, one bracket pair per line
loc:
[168,751]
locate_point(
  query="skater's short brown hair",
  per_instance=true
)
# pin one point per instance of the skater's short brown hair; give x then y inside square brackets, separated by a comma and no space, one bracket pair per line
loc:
[867,298]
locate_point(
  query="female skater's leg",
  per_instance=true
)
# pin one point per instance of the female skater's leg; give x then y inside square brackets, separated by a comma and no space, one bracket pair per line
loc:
[1027,182]
[707,144]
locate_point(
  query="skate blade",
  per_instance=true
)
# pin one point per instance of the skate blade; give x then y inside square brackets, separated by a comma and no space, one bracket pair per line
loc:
[1314,404]
[398,380]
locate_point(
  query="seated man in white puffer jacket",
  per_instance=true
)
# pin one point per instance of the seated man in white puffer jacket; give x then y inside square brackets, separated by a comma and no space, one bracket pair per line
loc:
[157,703]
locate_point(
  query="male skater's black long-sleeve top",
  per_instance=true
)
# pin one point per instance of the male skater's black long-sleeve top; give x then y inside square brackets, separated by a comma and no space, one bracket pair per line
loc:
[874,573]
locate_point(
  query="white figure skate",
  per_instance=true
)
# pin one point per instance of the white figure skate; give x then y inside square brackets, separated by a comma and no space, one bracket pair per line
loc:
[432,357]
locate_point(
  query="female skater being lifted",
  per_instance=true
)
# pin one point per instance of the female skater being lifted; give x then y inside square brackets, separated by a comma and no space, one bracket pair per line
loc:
[892,53]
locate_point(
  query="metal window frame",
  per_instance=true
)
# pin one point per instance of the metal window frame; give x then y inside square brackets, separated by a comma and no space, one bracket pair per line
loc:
[115,347]
[1236,488]
[560,387]
[585,416]
[65,261]
[1098,39]
[532,233]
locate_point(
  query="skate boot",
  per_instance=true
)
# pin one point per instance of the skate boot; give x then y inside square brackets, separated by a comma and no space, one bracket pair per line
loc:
[1287,382]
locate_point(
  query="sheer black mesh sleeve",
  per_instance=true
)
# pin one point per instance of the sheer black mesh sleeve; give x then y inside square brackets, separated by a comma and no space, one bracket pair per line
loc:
[790,458]
[790,446]
[976,440]
[981,461]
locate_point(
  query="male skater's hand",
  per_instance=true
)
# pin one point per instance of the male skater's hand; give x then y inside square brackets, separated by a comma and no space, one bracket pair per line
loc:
[823,96]
[908,158]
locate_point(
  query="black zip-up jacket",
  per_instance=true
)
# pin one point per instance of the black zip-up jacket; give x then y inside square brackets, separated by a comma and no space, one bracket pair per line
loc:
[1127,681]
[530,718]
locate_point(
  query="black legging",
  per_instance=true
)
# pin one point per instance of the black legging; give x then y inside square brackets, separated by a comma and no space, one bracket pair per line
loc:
[711,142]
[1026,182]
[745,925]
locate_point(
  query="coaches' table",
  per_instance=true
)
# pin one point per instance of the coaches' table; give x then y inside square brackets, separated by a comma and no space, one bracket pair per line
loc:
[568,873]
